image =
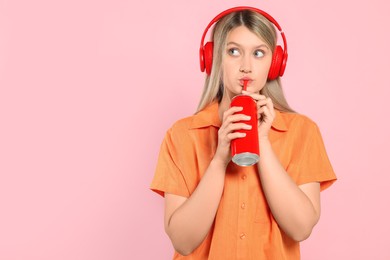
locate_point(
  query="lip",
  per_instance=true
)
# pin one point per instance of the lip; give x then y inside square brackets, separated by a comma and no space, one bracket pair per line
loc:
[245,79]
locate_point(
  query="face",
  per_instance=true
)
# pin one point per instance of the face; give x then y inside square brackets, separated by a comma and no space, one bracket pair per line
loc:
[246,57]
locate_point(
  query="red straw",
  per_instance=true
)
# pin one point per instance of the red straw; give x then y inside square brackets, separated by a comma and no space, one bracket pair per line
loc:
[245,83]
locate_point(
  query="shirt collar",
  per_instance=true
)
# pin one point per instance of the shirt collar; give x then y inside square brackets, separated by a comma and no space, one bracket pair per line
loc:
[279,123]
[209,117]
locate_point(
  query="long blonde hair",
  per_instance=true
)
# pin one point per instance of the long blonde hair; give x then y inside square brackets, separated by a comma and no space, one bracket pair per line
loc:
[263,28]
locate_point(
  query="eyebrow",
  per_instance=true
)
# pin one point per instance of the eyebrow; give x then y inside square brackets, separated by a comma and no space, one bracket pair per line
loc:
[256,47]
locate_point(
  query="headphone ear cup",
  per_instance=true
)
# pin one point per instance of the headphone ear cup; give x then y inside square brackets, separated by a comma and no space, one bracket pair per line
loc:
[283,66]
[208,56]
[277,60]
[201,59]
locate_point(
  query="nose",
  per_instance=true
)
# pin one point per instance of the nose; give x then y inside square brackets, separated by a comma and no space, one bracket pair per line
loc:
[245,70]
[245,65]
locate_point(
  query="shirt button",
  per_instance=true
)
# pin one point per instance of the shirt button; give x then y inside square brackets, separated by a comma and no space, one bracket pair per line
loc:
[242,236]
[243,205]
[243,177]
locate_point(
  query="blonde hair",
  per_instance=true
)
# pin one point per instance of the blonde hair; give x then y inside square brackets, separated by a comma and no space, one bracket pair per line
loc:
[264,29]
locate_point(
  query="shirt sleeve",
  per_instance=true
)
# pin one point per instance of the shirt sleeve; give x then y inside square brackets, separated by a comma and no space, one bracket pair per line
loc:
[312,164]
[168,177]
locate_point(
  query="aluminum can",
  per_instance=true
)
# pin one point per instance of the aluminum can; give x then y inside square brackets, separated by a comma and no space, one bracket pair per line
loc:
[245,150]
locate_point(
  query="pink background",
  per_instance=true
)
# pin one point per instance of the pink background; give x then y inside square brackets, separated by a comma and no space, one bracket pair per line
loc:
[88,89]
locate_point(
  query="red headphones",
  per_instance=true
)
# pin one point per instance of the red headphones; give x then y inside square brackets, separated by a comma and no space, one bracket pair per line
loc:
[279,57]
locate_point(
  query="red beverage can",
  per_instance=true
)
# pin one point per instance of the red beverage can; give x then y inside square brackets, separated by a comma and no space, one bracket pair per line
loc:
[245,150]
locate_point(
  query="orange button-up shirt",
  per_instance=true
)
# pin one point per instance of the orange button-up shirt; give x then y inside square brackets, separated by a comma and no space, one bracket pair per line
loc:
[244,227]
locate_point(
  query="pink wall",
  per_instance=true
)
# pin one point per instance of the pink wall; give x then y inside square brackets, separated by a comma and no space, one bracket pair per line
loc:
[88,89]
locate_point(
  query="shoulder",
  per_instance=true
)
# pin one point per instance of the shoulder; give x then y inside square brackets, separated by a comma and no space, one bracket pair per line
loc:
[300,122]
[183,124]
[179,130]
[302,132]
[207,117]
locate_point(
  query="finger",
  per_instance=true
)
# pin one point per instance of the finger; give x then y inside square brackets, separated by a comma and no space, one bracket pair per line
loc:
[229,125]
[266,102]
[235,118]
[266,115]
[270,107]
[239,126]
[231,128]
[231,111]
[255,96]
[263,115]
[235,135]
[261,103]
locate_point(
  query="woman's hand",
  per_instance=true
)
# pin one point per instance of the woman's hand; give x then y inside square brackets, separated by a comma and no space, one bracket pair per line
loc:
[265,113]
[228,131]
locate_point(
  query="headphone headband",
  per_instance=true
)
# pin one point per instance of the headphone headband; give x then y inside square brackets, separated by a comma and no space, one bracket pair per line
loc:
[236,9]
[242,8]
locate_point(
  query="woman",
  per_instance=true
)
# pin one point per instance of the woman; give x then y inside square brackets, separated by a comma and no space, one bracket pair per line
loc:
[215,209]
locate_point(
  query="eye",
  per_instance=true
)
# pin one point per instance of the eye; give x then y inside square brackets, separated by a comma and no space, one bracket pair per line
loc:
[259,53]
[233,52]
